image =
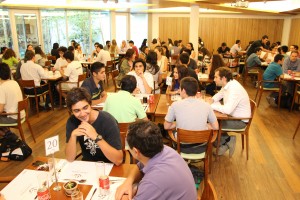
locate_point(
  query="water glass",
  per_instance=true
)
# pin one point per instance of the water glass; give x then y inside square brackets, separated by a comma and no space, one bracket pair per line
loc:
[203,94]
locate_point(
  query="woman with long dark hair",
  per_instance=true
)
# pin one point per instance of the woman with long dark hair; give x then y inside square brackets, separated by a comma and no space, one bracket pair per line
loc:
[9,58]
[153,68]
[180,71]
[216,62]
[126,64]
[40,57]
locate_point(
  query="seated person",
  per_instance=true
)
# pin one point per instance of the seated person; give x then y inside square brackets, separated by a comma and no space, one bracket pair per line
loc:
[31,71]
[190,114]
[273,71]
[61,61]
[10,95]
[236,48]
[96,131]
[94,84]
[125,65]
[71,73]
[253,60]
[185,60]
[291,63]
[223,49]
[191,63]
[180,71]
[161,172]
[40,56]
[144,79]
[122,105]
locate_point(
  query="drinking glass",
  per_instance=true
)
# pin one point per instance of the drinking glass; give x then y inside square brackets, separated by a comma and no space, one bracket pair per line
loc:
[53,173]
[77,195]
[203,93]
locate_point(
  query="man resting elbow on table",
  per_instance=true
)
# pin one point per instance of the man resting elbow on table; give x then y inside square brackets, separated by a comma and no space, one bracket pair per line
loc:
[96,131]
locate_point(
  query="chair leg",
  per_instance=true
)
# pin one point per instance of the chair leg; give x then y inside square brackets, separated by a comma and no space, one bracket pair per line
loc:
[261,91]
[294,99]
[219,138]
[242,137]
[296,130]
[60,99]
[37,105]
[247,145]
[257,91]
[21,132]
[30,129]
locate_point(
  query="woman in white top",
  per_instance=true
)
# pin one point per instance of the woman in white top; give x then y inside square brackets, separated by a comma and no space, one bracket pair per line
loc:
[191,47]
[123,47]
[153,68]
[61,62]
[162,61]
[144,79]
[114,49]
[40,57]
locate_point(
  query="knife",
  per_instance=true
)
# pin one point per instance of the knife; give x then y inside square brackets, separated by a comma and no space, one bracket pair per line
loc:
[93,193]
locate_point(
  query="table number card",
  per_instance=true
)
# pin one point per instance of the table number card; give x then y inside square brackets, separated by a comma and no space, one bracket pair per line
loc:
[51,145]
[169,81]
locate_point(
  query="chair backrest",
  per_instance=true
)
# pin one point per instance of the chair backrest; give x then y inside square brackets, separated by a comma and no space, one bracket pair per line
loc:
[22,105]
[253,107]
[81,78]
[27,83]
[51,57]
[114,74]
[124,127]
[48,63]
[209,192]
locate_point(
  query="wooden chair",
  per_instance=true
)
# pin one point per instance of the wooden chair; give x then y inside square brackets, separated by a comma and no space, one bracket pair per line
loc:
[261,88]
[51,58]
[188,136]
[48,64]
[244,131]
[296,94]
[209,192]
[296,130]
[247,72]
[30,84]
[127,158]
[114,75]
[108,70]
[22,105]
[81,78]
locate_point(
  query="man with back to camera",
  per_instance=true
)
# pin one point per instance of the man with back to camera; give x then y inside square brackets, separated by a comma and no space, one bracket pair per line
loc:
[161,173]
[236,103]
[94,84]
[190,114]
[96,131]
[103,56]
[122,105]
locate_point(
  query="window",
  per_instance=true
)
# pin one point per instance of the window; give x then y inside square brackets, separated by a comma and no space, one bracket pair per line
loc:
[100,28]
[138,28]
[121,28]
[54,29]
[5,30]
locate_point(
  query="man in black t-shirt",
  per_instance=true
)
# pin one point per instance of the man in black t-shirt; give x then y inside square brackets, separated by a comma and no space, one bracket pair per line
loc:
[94,84]
[258,43]
[96,131]
[223,49]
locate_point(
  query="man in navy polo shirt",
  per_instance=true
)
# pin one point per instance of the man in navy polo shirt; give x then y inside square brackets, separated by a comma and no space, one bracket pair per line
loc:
[94,84]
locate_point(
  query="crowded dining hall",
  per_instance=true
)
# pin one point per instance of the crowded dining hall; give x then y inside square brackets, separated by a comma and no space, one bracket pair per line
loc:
[164,100]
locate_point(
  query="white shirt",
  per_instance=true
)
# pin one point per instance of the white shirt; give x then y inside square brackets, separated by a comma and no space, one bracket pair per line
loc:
[139,80]
[10,95]
[32,71]
[103,56]
[235,49]
[78,56]
[59,63]
[235,98]
[73,70]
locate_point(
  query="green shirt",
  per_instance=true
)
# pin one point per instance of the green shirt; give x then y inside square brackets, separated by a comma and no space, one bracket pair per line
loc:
[124,107]
[10,62]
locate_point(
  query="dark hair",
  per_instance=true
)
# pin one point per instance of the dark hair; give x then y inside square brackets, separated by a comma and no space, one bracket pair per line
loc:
[295,52]
[3,49]
[284,48]
[224,44]
[96,67]
[55,45]
[191,46]
[167,51]
[295,46]
[29,46]
[190,85]
[62,49]
[184,58]
[224,72]
[144,48]
[139,60]
[217,61]
[77,94]
[77,45]
[154,41]
[128,83]
[237,41]
[146,137]
[176,43]
[279,43]
[96,43]
[69,55]
[182,73]
[107,42]
[38,50]
[264,37]
[159,48]
[131,42]
[129,53]
[151,59]
[278,57]
[73,41]
[170,41]
[144,43]
[100,46]
[70,48]
[28,55]
[8,54]
[4,71]
[205,52]
[185,50]
[257,49]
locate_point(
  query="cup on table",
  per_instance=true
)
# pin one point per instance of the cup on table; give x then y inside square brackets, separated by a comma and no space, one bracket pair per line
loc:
[102,178]
[43,186]
[77,195]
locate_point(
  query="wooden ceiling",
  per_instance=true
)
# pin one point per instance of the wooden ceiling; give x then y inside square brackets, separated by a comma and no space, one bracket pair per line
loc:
[150,6]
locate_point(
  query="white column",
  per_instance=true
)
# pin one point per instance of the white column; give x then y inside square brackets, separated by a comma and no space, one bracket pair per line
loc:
[112,25]
[286,31]
[194,27]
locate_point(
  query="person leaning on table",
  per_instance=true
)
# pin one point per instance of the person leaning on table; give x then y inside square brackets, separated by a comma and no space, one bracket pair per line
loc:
[161,173]
[96,131]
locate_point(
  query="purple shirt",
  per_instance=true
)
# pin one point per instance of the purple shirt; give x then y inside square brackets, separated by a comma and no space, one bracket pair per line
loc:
[167,176]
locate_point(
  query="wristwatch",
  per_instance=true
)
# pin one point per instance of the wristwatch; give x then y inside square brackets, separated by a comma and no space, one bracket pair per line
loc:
[98,138]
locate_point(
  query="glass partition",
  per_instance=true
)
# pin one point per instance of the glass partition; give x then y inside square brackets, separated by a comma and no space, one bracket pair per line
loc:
[5,30]
[138,28]
[54,29]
